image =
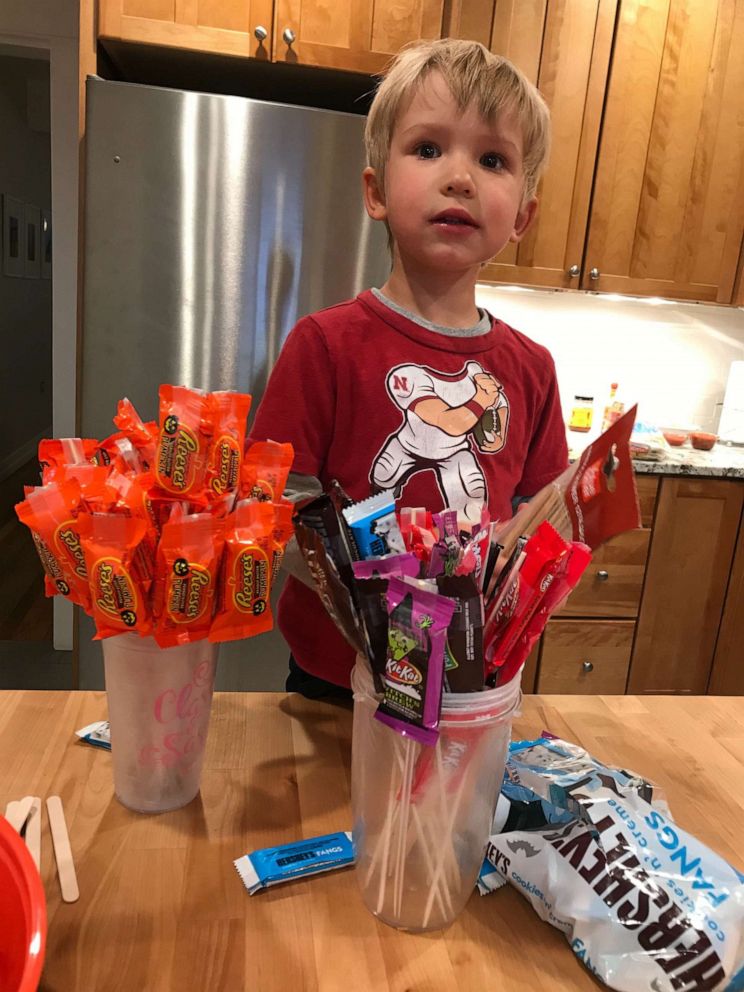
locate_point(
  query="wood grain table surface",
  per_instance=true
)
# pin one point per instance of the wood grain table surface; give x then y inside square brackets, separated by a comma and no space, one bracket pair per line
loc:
[162,908]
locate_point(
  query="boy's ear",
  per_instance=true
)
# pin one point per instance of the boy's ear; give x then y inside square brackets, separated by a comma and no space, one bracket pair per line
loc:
[374,200]
[523,219]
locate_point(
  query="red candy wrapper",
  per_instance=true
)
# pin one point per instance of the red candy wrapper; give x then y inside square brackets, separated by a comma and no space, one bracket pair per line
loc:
[265,469]
[187,570]
[186,428]
[244,609]
[545,555]
[119,573]
[226,447]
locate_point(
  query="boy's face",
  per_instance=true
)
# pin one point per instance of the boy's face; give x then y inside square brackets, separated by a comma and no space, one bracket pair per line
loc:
[454,183]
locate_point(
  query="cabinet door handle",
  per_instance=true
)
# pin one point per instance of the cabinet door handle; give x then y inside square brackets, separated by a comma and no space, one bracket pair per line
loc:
[260,33]
[574,271]
[289,36]
[594,274]
[587,666]
[602,575]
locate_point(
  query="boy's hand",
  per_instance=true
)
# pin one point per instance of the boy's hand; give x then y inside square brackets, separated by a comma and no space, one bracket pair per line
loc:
[487,389]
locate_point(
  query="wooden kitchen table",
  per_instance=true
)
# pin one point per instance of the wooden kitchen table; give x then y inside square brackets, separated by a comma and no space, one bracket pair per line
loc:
[162,908]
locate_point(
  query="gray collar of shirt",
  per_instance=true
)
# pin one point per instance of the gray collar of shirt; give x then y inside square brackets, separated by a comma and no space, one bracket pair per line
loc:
[482,327]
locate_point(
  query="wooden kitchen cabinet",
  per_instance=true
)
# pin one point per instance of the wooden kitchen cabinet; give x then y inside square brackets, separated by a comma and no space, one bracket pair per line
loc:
[667,212]
[727,676]
[359,35]
[585,656]
[689,565]
[229,27]
[564,47]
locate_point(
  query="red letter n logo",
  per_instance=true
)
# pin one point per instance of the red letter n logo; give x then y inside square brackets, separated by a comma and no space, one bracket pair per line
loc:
[400,383]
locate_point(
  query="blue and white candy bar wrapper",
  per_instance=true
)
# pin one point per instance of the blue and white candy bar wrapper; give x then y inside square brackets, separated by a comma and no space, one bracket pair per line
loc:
[98,734]
[272,865]
[642,903]
[374,526]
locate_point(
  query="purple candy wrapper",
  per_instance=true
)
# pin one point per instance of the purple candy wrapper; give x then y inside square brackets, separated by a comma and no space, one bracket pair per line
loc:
[413,675]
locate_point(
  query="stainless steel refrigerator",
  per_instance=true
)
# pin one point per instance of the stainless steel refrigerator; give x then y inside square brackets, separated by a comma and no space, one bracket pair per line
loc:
[212,223]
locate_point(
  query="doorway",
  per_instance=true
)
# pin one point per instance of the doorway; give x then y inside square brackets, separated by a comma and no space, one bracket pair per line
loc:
[27,655]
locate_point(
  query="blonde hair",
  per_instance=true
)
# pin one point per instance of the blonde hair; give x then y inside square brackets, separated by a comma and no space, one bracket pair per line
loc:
[474,76]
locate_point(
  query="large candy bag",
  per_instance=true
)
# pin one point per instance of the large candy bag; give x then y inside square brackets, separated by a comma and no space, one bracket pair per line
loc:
[643,904]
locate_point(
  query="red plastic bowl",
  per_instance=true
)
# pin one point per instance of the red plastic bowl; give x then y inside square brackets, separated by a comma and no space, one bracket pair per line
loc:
[23,921]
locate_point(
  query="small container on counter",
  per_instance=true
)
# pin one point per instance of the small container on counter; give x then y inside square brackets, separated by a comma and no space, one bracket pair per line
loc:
[703,440]
[582,412]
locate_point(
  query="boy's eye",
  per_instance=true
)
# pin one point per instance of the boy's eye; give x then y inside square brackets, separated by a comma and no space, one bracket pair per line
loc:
[426,149]
[492,160]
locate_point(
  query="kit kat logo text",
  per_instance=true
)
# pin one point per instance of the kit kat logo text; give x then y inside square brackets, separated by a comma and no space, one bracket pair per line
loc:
[402,672]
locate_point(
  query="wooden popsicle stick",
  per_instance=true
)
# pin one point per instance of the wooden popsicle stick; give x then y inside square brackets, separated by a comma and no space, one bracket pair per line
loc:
[62,851]
[33,831]
[16,813]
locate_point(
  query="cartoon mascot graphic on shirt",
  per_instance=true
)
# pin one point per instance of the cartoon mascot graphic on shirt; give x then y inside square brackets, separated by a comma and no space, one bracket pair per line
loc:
[439,432]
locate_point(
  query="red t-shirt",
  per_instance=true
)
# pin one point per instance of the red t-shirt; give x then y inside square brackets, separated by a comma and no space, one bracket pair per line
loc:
[344,392]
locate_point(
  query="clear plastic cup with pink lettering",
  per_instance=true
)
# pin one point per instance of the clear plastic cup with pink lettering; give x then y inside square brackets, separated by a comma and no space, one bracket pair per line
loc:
[159,701]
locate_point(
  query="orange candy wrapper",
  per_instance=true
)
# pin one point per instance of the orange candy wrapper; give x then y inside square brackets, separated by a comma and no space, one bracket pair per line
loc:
[265,469]
[144,436]
[281,533]
[50,512]
[243,609]
[56,453]
[226,448]
[186,427]
[187,571]
[119,573]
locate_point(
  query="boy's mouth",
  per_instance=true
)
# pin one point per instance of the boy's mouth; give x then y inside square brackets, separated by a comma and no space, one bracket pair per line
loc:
[455,218]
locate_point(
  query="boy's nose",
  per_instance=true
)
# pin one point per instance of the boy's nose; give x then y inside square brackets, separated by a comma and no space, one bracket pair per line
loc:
[459,183]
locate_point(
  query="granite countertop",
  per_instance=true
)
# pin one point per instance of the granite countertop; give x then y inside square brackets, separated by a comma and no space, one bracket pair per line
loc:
[722,462]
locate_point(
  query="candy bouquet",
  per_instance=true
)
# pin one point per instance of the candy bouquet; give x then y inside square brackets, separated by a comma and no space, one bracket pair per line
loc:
[169,535]
[169,530]
[442,610]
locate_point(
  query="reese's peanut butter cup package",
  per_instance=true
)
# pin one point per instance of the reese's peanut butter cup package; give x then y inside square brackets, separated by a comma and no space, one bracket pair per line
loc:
[144,436]
[280,534]
[226,447]
[117,572]
[50,512]
[243,609]
[265,468]
[55,453]
[186,575]
[186,428]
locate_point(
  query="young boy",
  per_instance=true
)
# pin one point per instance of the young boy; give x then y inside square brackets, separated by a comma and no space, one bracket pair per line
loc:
[411,388]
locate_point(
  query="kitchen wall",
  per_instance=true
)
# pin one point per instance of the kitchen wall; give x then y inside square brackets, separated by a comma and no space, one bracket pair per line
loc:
[673,358]
[25,304]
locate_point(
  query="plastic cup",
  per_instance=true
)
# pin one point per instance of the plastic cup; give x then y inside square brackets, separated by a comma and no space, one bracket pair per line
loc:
[422,815]
[23,922]
[159,701]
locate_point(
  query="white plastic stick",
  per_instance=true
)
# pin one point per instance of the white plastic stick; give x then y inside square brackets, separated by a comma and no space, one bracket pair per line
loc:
[62,851]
